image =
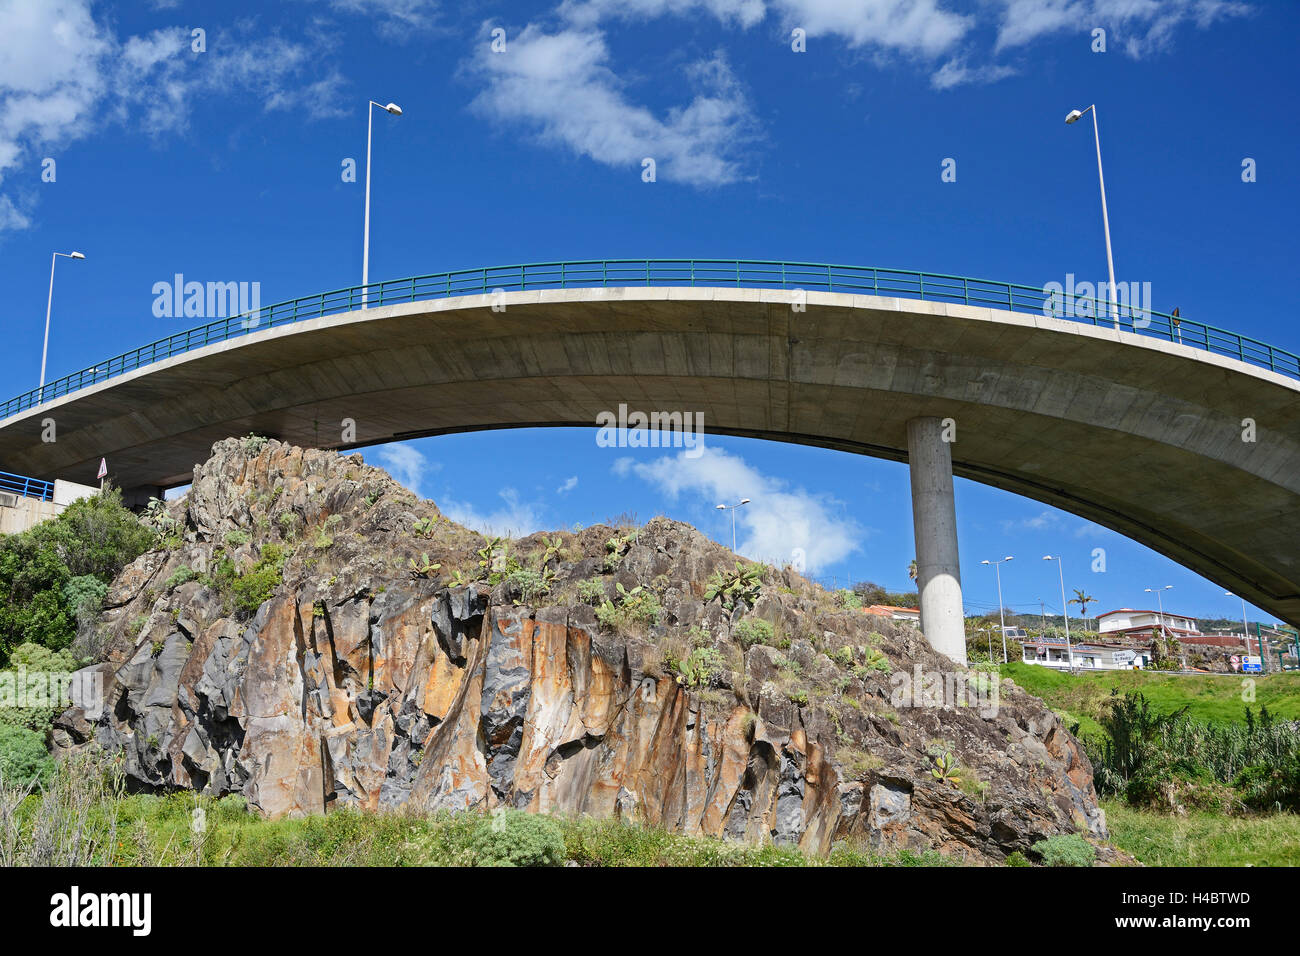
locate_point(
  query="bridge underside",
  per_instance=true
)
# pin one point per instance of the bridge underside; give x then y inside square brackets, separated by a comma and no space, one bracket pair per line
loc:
[1141,436]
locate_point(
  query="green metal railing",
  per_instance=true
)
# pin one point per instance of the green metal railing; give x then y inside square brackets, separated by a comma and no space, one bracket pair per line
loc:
[743,273]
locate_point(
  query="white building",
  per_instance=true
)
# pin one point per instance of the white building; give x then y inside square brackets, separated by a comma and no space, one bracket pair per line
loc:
[1138,625]
[1090,656]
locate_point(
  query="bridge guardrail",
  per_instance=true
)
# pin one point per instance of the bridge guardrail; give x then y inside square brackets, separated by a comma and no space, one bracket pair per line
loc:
[27,487]
[741,273]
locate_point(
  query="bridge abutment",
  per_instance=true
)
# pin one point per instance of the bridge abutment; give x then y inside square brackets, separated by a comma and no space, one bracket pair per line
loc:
[934,523]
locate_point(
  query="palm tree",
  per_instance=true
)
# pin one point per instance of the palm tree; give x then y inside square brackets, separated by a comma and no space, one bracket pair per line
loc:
[911,570]
[1083,600]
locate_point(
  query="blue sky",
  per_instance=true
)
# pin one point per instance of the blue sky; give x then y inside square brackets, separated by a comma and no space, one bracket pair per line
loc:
[225,165]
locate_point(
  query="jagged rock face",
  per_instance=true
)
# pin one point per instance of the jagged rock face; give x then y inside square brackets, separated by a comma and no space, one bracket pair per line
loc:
[357,684]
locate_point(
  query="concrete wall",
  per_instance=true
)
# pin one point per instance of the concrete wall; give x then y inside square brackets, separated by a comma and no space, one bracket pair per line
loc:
[31,511]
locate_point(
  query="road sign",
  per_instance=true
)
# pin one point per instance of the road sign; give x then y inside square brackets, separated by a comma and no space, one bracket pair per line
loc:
[1251,665]
[103,469]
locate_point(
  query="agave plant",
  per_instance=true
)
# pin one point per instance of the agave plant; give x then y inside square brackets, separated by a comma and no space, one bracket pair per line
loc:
[742,584]
[946,769]
[553,546]
[422,568]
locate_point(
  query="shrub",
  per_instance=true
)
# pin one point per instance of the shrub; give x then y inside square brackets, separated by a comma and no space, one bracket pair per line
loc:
[637,607]
[238,537]
[753,631]
[516,838]
[847,599]
[23,756]
[182,575]
[51,575]
[701,668]
[1016,858]
[529,584]
[592,590]
[256,585]
[1068,849]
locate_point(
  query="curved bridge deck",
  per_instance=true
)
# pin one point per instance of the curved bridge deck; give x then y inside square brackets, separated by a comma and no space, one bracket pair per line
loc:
[1127,428]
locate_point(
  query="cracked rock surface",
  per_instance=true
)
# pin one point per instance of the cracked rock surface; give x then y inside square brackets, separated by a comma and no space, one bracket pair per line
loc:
[358,683]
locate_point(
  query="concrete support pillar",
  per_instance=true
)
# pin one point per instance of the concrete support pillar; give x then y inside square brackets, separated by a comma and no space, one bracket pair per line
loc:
[934,523]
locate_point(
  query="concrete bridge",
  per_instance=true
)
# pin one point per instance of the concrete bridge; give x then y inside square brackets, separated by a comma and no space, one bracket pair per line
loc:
[1180,436]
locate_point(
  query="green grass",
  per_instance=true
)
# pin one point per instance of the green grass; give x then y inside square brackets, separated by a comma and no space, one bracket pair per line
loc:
[158,831]
[1204,839]
[1213,699]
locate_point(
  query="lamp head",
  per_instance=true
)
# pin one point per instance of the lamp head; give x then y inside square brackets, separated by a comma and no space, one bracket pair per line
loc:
[394,109]
[744,501]
[76,255]
[722,507]
[1073,116]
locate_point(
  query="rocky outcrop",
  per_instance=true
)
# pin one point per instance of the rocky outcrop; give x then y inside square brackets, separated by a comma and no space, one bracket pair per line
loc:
[282,647]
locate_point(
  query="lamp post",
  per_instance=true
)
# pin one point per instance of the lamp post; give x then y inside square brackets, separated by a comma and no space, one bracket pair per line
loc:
[997,566]
[1159,593]
[1065,608]
[732,509]
[365,252]
[1071,117]
[49,303]
[1245,628]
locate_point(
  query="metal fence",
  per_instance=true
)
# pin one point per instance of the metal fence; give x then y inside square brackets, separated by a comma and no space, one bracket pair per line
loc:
[741,273]
[27,487]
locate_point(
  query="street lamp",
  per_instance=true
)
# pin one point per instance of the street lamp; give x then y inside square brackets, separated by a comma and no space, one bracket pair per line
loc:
[1245,628]
[1072,117]
[1159,593]
[1065,608]
[365,254]
[732,509]
[45,349]
[997,566]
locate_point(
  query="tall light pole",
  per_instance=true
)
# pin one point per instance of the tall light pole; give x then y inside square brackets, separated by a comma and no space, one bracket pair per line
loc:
[997,566]
[1159,593]
[1071,117]
[49,303]
[365,253]
[1245,628]
[1065,608]
[732,509]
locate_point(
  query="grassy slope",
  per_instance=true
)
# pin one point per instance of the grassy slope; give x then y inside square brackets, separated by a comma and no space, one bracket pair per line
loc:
[1197,838]
[1204,839]
[1209,698]
[156,831]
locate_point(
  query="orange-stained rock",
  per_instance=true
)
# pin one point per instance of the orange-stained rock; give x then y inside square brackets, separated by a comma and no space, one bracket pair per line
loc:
[359,684]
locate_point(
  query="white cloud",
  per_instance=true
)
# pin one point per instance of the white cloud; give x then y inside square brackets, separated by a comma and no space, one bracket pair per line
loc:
[406,464]
[778,518]
[569,485]
[908,26]
[744,13]
[63,75]
[514,518]
[560,87]
[1139,27]
[956,73]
